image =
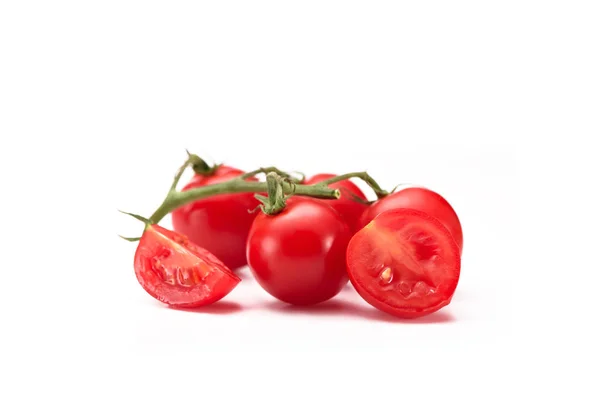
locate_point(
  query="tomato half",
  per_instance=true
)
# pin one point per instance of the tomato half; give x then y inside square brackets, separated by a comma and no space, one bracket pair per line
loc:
[421,199]
[219,223]
[347,205]
[177,272]
[405,263]
[299,255]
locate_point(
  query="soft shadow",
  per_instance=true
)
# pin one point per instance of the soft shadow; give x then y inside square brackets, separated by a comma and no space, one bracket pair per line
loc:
[337,307]
[348,288]
[243,273]
[218,308]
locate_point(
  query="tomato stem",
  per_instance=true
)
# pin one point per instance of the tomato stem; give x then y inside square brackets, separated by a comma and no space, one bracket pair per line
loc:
[274,203]
[176,199]
[279,185]
[200,166]
[267,170]
[362,175]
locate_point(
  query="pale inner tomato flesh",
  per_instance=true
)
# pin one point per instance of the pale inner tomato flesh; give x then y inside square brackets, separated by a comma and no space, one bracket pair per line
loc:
[175,265]
[408,263]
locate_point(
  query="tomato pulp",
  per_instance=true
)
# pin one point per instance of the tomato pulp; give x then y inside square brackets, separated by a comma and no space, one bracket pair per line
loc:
[179,273]
[405,263]
[298,255]
[420,199]
[348,205]
[218,223]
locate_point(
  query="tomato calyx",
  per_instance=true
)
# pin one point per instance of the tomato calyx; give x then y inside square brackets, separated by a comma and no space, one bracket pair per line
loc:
[200,166]
[274,202]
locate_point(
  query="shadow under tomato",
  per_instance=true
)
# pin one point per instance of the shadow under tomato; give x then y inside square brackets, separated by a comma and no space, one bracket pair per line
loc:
[218,308]
[243,273]
[336,307]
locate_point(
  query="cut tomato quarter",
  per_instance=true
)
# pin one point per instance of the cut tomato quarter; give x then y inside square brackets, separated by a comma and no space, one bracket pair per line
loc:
[179,273]
[404,262]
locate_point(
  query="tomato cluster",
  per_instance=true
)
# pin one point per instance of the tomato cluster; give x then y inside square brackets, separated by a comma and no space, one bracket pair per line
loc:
[402,253]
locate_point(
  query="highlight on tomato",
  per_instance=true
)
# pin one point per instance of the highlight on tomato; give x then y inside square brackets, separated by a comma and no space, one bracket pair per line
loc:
[421,199]
[404,262]
[177,272]
[218,223]
[352,202]
[299,255]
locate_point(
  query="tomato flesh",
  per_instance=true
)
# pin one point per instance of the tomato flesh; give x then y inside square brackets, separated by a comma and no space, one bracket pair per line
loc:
[348,205]
[299,255]
[420,199]
[177,272]
[405,263]
[218,223]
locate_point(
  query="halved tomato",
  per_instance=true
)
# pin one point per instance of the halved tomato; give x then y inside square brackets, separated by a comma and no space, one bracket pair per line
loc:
[404,262]
[422,199]
[179,273]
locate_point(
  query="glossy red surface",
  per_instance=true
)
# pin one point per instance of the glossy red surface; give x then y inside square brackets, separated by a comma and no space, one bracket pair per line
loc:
[219,223]
[299,255]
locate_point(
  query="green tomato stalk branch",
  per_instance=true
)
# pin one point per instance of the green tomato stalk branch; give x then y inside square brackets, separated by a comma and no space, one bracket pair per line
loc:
[279,185]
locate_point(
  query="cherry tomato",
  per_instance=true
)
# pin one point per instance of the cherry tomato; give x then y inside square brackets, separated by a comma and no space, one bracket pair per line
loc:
[219,223]
[179,273]
[421,199]
[404,262]
[299,255]
[346,205]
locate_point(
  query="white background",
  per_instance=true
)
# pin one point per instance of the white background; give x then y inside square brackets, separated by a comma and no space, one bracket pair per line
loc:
[492,104]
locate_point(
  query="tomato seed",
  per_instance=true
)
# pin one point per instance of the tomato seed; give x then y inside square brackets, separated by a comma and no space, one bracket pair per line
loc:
[386,275]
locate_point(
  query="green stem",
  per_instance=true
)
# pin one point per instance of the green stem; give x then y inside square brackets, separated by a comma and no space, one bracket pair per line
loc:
[362,175]
[177,199]
[200,166]
[267,170]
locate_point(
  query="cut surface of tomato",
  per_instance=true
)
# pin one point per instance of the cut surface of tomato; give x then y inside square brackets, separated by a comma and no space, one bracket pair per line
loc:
[404,262]
[177,272]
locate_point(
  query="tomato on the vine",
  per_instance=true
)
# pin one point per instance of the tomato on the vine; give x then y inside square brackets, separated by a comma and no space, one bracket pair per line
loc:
[299,255]
[404,262]
[422,199]
[352,202]
[218,223]
[179,273]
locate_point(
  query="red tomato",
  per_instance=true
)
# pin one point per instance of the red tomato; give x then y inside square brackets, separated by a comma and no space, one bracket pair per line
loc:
[346,205]
[179,273]
[219,223]
[405,263]
[420,199]
[299,255]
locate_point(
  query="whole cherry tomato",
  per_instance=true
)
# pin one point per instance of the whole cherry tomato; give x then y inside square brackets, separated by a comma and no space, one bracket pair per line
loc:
[179,273]
[421,199]
[404,262]
[348,205]
[299,255]
[218,223]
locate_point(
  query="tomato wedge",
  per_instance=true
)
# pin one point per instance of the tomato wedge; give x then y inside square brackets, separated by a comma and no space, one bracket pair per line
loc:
[404,262]
[179,273]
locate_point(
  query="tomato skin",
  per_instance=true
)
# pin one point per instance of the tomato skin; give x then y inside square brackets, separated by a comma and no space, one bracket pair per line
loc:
[350,209]
[421,199]
[299,255]
[219,223]
[177,272]
[421,259]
